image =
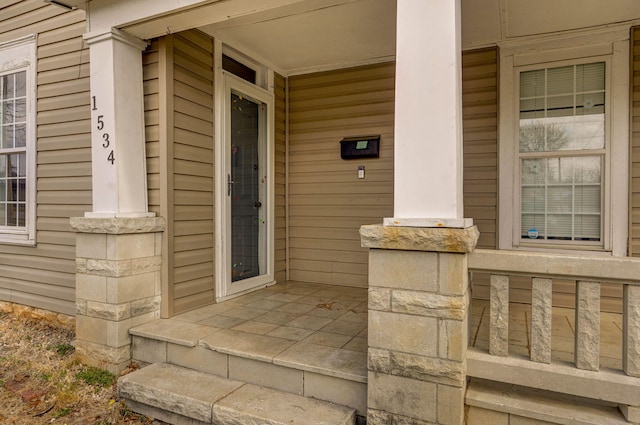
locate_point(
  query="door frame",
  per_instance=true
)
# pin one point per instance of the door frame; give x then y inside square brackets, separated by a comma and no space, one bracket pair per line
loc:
[224,289]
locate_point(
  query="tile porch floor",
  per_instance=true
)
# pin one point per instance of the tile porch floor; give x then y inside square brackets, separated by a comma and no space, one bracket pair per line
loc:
[313,325]
[318,327]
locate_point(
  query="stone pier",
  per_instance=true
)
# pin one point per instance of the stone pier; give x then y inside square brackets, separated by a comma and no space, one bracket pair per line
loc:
[419,299]
[118,264]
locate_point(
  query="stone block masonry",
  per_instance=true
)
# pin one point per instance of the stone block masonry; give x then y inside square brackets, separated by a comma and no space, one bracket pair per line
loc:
[419,299]
[118,263]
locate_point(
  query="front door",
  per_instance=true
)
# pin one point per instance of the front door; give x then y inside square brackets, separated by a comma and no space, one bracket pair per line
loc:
[248,175]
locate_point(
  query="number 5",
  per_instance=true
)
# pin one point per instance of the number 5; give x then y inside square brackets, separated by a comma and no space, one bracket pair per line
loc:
[100,122]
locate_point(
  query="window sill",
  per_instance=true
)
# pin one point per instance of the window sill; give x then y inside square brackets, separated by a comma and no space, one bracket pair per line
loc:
[16,240]
[594,251]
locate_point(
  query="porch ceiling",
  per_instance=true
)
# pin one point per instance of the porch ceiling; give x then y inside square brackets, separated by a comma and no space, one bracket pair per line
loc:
[300,36]
[328,37]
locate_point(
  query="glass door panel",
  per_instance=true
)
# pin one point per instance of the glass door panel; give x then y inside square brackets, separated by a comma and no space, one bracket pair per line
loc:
[247,251]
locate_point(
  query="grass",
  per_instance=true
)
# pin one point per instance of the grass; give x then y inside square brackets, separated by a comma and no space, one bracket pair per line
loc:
[95,376]
[64,349]
[42,382]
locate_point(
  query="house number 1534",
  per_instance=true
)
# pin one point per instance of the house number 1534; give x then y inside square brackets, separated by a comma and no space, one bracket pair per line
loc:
[106,142]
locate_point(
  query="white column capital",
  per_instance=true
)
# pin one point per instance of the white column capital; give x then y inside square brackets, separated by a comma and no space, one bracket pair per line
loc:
[117,35]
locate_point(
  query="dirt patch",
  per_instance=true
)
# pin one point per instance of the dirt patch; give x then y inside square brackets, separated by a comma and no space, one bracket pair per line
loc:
[41,382]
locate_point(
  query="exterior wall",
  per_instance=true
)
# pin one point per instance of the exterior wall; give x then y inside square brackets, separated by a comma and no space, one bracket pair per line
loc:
[327,201]
[178,84]
[480,138]
[280,181]
[634,195]
[480,112]
[44,276]
[178,75]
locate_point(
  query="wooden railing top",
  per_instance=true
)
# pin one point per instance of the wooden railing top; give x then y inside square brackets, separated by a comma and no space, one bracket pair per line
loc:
[553,265]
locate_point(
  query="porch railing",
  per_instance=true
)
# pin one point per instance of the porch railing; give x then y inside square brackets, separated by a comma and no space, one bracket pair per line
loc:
[584,377]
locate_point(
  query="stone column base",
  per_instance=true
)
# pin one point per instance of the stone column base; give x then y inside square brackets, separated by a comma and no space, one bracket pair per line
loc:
[419,301]
[118,264]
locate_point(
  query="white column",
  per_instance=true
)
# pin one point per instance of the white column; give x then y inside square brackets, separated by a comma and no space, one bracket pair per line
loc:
[428,116]
[117,126]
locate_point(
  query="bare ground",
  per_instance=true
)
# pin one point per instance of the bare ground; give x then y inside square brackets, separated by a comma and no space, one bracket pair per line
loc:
[41,382]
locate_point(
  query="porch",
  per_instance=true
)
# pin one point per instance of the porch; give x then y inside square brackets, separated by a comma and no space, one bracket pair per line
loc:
[311,340]
[300,339]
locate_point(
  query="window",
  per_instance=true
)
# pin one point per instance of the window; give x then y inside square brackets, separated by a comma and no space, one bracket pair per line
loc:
[564,143]
[562,153]
[17,144]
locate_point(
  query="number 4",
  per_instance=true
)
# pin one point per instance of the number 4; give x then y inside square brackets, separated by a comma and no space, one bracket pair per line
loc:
[111,158]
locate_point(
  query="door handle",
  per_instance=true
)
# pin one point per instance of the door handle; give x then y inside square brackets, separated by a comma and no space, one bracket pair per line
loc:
[257,204]
[229,184]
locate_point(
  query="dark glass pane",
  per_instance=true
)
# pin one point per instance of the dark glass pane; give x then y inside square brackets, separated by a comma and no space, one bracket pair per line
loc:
[239,69]
[6,136]
[13,190]
[12,214]
[22,190]
[20,137]
[8,86]
[21,215]
[21,84]
[13,165]
[7,112]
[22,165]
[20,111]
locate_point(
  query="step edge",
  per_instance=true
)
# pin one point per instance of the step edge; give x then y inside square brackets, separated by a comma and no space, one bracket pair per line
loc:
[536,406]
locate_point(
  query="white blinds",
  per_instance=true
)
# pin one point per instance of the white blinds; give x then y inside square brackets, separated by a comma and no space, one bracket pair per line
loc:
[561,145]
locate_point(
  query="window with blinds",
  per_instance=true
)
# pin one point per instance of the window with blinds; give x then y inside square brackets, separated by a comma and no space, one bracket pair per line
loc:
[562,153]
[13,145]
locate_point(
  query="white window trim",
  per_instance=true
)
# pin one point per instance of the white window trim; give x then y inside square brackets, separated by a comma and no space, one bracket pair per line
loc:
[612,46]
[17,55]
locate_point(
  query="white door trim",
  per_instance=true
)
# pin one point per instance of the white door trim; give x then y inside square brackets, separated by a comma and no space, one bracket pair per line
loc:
[224,290]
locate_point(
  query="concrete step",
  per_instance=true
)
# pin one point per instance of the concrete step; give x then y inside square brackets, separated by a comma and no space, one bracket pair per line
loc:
[493,402]
[179,396]
[334,375]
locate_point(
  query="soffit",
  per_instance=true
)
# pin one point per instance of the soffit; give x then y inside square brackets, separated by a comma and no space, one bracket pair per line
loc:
[299,36]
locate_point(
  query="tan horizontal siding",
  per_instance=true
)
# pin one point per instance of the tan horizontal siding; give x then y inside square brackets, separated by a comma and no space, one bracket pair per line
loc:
[480,141]
[44,276]
[192,273]
[280,180]
[327,202]
[634,194]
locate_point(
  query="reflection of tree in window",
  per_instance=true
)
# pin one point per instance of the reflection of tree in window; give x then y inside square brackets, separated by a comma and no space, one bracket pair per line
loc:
[536,137]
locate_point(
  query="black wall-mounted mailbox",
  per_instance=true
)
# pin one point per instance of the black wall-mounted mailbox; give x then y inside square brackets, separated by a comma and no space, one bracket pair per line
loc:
[360,147]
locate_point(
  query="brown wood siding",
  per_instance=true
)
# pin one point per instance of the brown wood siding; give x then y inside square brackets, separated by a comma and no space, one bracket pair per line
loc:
[280,180]
[44,276]
[178,83]
[480,135]
[327,201]
[634,195]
